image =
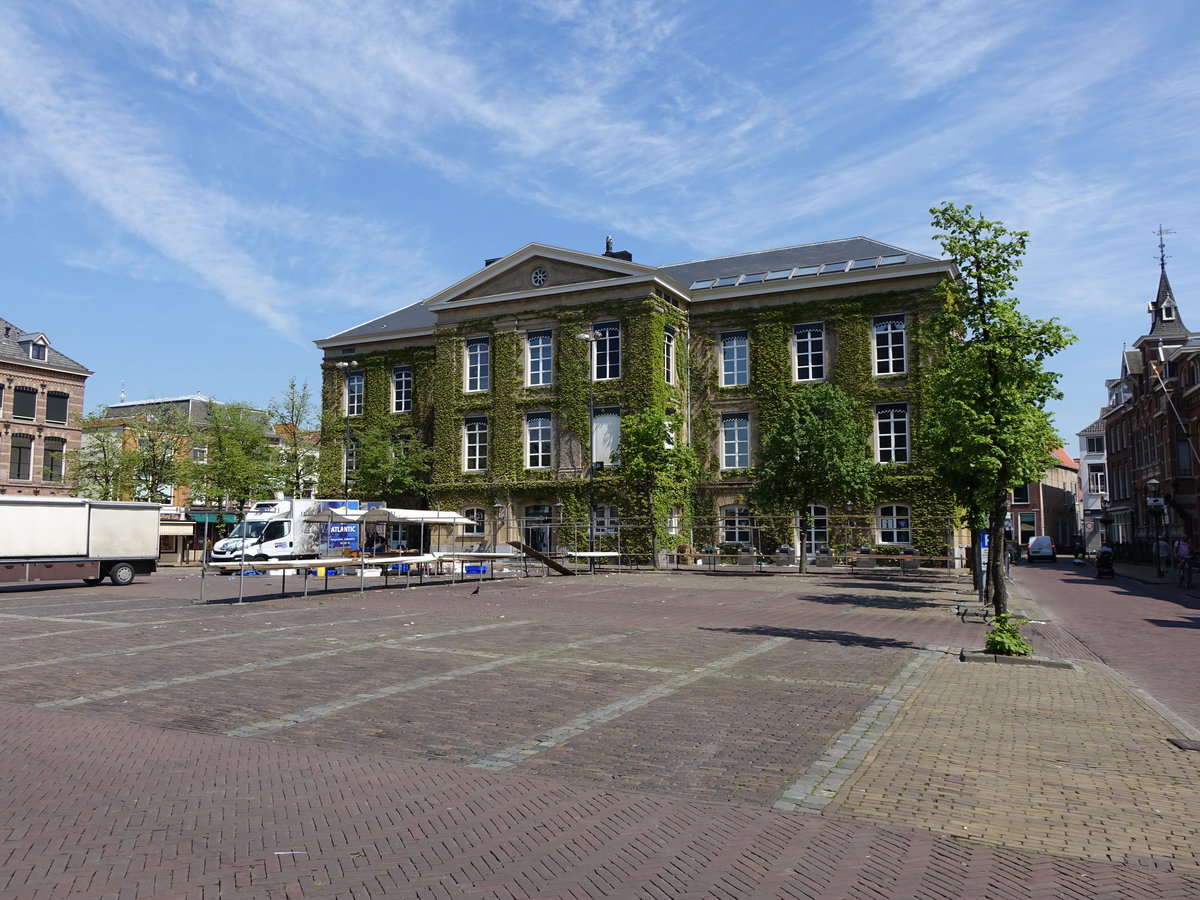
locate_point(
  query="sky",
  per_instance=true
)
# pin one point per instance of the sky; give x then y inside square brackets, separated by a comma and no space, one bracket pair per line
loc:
[193,192]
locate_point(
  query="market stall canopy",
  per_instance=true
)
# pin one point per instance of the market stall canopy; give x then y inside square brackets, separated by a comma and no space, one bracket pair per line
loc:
[387,514]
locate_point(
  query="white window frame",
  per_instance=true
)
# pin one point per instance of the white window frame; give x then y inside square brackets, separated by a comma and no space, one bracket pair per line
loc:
[892,433]
[604,451]
[735,359]
[356,386]
[736,525]
[735,441]
[15,471]
[669,355]
[607,519]
[893,524]
[606,351]
[539,358]
[475,444]
[890,343]
[539,440]
[350,458]
[54,456]
[477,365]
[402,389]
[816,534]
[478,517]
[808,352]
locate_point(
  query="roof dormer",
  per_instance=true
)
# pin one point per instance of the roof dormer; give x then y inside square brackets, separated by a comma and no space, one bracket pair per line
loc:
[35,345]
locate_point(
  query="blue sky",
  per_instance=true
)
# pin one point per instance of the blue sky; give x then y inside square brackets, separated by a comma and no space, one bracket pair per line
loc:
[193,192]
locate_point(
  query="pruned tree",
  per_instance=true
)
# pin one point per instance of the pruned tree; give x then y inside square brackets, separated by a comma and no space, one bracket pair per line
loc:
[294,415]
[160,443]
[986,428]
[815,451]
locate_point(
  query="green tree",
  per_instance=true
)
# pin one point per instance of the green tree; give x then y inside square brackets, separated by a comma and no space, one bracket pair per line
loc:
[815,451]
[986,428]
[102,467]
[655,467]
[294,414]
[391,466]
[236,465]
[160,445]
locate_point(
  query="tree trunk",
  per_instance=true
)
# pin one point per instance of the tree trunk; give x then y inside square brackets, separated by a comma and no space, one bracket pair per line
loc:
[999,589]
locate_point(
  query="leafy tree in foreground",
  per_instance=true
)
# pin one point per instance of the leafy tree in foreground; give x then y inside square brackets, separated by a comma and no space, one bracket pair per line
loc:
[815,452]
[296,458]
[986,427]
[392,467]
[654,464]
[102,467]
[237,464]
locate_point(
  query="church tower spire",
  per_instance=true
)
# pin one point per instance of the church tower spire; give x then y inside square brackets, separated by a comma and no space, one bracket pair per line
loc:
[1164,312]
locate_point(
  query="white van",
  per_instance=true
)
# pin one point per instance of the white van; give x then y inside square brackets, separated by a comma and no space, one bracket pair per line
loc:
[1041,547]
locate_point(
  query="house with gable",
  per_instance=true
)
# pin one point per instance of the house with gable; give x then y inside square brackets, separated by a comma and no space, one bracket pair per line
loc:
[518,378]
[41,402]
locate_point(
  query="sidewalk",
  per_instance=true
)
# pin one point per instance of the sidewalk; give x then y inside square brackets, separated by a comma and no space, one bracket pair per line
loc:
[727,735]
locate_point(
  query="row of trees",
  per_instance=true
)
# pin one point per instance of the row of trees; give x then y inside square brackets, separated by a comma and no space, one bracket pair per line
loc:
[233,456]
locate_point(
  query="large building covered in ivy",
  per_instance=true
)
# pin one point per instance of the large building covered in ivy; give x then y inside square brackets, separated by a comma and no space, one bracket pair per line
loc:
[523,380]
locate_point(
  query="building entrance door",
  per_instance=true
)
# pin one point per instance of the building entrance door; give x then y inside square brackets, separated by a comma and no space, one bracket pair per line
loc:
[537,528]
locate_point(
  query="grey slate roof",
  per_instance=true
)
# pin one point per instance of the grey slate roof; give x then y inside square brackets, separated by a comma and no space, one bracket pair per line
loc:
[11,351]
[687,273]
[414,317]
[1166,298]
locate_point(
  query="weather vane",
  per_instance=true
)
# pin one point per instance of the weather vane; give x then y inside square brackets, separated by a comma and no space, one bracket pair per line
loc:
[1162,254]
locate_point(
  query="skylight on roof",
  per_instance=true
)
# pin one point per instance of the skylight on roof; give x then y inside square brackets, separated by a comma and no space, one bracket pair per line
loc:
[702,284]
[864,263]
[833,268]
[776,276]
[753,279]
[894,260]
[805,270]
[726,281]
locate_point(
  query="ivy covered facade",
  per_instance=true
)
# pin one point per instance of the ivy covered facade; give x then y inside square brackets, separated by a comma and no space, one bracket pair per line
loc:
[518,377]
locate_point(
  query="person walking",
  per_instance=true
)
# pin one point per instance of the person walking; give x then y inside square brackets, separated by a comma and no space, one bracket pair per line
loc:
[1183,560]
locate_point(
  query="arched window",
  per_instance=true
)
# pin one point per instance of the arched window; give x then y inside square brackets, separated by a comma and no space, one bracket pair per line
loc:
[476,514]
[817,534]
[895,525]
[735,525]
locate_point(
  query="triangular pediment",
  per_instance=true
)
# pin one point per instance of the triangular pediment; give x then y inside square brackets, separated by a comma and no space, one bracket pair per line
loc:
[540,270]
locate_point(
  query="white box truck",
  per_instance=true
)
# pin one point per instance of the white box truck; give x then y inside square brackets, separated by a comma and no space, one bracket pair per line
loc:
[64,538]
[279,530]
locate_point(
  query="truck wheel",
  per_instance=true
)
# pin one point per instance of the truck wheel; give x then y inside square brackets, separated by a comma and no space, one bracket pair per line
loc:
[92,582]
[121,574]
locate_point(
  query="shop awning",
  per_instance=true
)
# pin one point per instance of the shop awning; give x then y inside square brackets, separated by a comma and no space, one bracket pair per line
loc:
[169,529]
[215,517]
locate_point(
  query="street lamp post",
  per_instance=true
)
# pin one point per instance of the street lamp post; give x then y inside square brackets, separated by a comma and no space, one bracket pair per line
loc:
[1154,505]
[590,337]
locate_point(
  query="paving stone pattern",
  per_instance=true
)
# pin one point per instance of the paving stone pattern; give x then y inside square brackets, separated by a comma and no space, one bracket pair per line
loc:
[630,736]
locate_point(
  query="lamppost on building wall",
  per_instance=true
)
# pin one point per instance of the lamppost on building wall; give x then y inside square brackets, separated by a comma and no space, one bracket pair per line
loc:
[590,337]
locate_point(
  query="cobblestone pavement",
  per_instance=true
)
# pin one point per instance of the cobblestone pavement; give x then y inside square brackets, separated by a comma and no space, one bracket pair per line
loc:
[634,736]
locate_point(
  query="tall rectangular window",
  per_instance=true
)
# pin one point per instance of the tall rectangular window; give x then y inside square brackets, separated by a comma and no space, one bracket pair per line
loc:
[1097,479]
[56,407]
[891,433]
[351,449]
[735,359]
[20,462]
[53,451]
[735,441]
[539,365]
[354,393]
[475,444]
[809,344]
[478,365]
[402,387]
[890,345]
[735,525]
[606,351]
[24,403]
[538,440]
[895,525]
[669,355]
[606,434]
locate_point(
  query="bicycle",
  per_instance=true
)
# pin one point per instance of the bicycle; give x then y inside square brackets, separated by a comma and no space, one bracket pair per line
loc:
[1183,572]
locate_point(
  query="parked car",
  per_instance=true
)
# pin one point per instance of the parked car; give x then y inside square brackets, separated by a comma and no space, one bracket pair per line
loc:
[1041,547]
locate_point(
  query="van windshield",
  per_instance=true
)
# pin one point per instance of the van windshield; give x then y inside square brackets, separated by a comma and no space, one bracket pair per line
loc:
[256,529]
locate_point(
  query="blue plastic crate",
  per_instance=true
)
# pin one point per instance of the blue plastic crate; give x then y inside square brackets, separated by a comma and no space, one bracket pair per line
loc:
[480,569]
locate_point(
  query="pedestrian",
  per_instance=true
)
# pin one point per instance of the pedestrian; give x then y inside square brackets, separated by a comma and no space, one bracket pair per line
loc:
[1163,551]
[1183,548]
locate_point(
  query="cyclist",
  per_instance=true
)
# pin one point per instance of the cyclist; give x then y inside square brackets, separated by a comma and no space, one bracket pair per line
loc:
[1183,559]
